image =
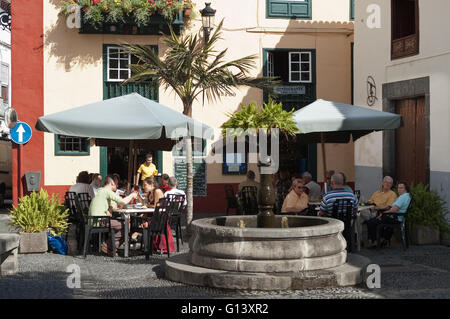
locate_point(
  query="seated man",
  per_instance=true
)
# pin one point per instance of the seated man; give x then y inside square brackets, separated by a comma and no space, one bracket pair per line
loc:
[82,185]
[384,197]
[250,181]
[100,206]
[296,201]
[174,190]
[312,186]
[337,192]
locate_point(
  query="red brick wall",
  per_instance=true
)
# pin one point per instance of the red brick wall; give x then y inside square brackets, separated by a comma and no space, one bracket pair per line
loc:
[27,80]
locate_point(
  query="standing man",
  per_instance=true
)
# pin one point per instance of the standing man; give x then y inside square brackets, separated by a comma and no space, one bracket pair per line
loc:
[337,192]
[312,186]
[100,206]
[146,169]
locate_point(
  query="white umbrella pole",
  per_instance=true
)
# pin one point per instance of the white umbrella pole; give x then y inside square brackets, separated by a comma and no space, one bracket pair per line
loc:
[322,140]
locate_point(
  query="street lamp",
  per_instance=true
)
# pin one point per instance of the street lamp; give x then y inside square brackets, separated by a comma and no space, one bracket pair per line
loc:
[208,14]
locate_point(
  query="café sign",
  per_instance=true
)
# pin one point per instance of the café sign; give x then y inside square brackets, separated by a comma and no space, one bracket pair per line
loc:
[290,90]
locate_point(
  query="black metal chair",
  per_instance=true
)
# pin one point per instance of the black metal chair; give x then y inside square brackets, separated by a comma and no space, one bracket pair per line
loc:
[176,211]
[76,216]
[343,210]
[249,201]
[85,200]
[98,225]
[232,202]
[394,223]
[157,225]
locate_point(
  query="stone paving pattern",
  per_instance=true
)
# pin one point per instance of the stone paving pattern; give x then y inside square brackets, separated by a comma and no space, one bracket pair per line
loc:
[419,272]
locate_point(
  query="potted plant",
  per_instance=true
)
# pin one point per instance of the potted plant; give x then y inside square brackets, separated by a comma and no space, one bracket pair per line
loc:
[271,116]
[426,216]
[35,215]
[187,7]
[96,13]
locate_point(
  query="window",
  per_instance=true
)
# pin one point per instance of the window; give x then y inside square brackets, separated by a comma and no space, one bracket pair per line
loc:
[118,64]
[5,94]
[405,28]
[296,69]
[291,9]
[300,67]
[71,145]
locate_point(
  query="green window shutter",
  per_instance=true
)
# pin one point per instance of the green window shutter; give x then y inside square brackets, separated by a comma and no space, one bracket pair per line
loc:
[352,9]
[289,9]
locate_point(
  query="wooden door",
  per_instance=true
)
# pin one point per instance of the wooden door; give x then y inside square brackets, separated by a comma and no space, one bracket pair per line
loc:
[410,155]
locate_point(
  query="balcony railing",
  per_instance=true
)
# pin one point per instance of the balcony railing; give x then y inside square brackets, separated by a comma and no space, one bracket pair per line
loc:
[404,47]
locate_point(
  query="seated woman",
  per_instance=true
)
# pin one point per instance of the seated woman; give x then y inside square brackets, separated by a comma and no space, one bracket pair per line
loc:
[399,206]
[152,196]
[297,200]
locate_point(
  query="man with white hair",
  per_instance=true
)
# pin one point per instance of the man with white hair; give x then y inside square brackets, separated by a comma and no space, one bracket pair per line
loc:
[312,186]
[384,197]
[337,192]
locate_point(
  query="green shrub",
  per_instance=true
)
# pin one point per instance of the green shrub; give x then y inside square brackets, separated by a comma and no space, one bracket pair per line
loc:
[37,212]
[427,208]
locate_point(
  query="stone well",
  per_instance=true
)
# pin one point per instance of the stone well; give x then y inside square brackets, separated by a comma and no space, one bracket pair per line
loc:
[231,252]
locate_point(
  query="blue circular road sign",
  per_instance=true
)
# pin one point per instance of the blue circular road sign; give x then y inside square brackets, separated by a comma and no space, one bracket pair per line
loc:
[21,133]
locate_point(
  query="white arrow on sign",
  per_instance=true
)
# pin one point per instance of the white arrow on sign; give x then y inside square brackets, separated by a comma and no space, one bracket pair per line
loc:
[20,131]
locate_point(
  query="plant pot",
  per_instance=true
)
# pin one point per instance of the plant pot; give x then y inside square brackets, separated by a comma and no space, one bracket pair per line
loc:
[33,243]
[445,239]
[424,235]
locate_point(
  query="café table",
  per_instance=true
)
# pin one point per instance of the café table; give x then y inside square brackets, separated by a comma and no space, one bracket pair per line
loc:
[357,223]
[126,212]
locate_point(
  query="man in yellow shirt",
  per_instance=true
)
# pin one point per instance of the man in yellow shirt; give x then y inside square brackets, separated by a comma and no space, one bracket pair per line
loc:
[146,169]
[384,197]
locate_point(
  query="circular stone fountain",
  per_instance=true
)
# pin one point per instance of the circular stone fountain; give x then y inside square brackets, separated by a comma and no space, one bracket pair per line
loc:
[231,252]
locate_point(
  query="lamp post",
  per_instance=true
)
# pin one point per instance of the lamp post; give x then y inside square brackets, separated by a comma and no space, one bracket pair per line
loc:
[208,14]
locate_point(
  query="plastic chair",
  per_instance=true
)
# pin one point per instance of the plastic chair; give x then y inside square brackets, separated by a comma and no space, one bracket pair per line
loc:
[98,225]
[393,224]
[343,210]
[230,197]
[176,210]
[248,197]
[157,226]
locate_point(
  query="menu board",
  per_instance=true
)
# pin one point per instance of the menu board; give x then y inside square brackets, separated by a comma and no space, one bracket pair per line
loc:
[199,167]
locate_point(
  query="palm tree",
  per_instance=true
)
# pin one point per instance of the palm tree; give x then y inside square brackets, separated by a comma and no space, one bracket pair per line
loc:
[194,69]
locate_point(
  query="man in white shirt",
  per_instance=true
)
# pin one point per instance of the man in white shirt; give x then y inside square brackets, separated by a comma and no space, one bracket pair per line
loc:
[313,187]
[174,190]
[96,182]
